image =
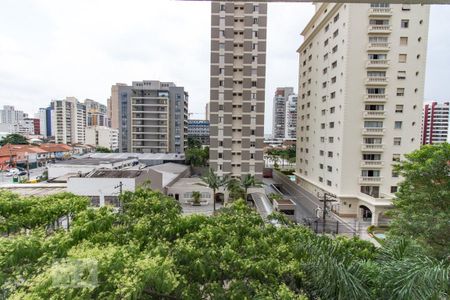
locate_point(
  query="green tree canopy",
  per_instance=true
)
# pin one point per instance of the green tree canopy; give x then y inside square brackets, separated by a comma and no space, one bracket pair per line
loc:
[149,250]
[14,139]
[101,149]
[422,204]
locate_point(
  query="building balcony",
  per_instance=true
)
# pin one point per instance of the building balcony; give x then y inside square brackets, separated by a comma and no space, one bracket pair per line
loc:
[377,63]
[374,114]
[380,11]
[380,29]
[370,180]
[372,164]
[379,46]
[376,80]
[377,98]
[373,131]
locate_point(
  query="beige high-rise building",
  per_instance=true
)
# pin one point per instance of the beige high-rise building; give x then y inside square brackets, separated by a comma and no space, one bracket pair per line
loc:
[102,136]
[362,70]
[68,121]
[238,68]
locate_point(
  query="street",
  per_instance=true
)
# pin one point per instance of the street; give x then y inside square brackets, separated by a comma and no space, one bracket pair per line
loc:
[34,173]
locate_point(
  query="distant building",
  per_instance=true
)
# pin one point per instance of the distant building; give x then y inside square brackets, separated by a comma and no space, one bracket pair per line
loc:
[199,130]
[29,126]
[435,123]
[151,116]
[96,113]
[9,115]
[41,115]
[207,112]
[101,136]
[68,121]
[284,96]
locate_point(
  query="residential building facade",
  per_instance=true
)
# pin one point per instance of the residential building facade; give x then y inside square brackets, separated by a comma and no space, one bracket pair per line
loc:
[435,123]
[280,112]
[362,69]
[102,136]
[96,113]
[68,121]
[237,87]
[151,116]
[291,118]
[199,130]
[9,115]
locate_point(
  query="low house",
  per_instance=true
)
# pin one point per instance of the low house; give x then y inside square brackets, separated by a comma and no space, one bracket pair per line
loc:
[104,186]
[57,151]
[182,190]
[21,155]
[86,165]
[165,174]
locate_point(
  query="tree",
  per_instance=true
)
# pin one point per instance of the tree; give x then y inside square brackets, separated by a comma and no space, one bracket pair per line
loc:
[235,189]
[197,157]
[214,182]
[101,149]
[14,139]
[422,204]
[250,181]
[152,251]
[196,195]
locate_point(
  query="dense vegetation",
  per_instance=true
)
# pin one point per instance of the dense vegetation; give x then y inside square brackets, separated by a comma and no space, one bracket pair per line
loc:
[149,250]
[14,139]
[101,149]
[422,204]
[196,155]
[279,154]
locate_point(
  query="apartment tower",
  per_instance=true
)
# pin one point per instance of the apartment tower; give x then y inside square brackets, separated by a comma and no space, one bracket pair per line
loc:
[435,121]
[280,112]
[68,121]
[151,116]
[362,70]
[238,68]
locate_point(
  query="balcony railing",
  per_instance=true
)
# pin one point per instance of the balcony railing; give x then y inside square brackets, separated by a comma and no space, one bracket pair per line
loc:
[380,46]
[376,98]
[377,63]
[380,29]
[376,114]
[376,80]
[380,11]
[372,164]
[373,131]
[370,180]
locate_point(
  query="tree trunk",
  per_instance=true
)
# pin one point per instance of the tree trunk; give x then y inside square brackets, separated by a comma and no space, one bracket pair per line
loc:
[214,201]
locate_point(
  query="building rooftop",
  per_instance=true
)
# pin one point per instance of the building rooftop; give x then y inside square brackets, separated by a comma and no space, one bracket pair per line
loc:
[183,182]
[40,189]
[92,161]
[140,156]
[106,173]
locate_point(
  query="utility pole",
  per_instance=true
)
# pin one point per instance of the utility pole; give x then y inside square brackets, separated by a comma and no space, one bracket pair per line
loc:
[325,198]
[120,187]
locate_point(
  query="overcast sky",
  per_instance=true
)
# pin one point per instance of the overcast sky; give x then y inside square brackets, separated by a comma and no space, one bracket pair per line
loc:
[50,49]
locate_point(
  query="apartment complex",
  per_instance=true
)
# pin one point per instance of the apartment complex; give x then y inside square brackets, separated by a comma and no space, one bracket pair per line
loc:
[284,111]
[96,113]
[151,116]
[362,69]
[102,136]
[237,87]
[199,130]
[435,123]
[9,115]
[68,121]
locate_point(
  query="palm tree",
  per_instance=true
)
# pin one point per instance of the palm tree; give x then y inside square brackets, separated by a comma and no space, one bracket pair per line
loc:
[235,189]
[214,182]
[250,181]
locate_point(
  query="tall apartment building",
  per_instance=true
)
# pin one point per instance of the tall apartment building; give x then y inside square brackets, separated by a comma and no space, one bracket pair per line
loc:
[291,118]
[238,68]
[68,121]
[9,115]
[199,130]
[362,69]
[435,123]
[281,113]
[151,116]
[96,113]
[102,136]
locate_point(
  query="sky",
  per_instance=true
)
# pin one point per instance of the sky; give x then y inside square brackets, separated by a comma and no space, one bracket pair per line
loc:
[50,49]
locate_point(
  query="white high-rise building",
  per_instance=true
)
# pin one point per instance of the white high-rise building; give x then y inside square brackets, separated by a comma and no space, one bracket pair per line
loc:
[102,136]
[42,116]
[291,118]
[279,111]
[9,115]
[362,70]
[68,121]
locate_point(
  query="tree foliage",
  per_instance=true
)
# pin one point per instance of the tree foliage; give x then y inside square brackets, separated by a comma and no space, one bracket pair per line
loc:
[101,149]
[149,250]
[14,139]
[196,155]
[422,204]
